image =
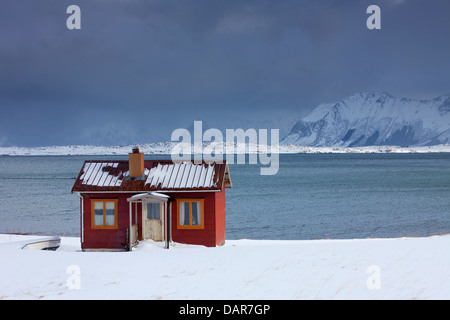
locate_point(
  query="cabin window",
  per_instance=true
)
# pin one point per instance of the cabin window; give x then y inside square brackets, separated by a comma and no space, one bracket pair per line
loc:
[190,213]
[153,210]
[104,214]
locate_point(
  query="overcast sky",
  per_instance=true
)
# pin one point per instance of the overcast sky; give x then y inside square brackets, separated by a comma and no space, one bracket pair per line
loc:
[137,70]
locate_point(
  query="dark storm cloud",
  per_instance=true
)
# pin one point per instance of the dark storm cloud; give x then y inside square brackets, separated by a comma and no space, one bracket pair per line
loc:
[139,69]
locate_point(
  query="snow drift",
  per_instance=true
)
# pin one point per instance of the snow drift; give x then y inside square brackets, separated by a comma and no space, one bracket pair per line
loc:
[404,268]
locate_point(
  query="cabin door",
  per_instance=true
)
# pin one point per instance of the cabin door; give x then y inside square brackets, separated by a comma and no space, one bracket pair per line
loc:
[152,220]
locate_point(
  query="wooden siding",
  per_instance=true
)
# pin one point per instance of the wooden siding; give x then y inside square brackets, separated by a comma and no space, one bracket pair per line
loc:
[106,238]
[205,236]
[220,214]
[211,235]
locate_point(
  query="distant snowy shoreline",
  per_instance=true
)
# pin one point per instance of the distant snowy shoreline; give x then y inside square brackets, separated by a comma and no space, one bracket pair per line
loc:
[162,148]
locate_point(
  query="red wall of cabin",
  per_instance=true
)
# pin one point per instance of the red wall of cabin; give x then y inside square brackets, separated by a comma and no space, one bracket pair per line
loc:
[206,236]
[212,235]
[107,238]
[220,217]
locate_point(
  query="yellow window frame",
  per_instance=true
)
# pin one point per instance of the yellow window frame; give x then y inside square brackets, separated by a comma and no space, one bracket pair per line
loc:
[202,214]
[104,226]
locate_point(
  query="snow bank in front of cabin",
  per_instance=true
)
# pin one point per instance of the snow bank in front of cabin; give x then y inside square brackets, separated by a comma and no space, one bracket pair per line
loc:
[406,268]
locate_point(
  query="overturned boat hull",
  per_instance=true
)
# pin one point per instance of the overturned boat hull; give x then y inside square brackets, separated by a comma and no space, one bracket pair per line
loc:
[45,244]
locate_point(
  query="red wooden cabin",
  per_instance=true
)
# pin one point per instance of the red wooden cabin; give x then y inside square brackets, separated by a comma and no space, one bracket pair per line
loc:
[122,202]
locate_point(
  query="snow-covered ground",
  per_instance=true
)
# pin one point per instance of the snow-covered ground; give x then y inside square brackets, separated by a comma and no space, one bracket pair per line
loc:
[167,147]
[405,268]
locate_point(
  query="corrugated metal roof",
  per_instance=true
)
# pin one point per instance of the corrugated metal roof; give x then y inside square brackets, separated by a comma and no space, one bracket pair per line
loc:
[158,175]
[181,176]
[100,174]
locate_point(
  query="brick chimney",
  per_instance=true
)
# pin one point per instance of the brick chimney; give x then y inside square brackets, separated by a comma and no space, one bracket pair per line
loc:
[136,163]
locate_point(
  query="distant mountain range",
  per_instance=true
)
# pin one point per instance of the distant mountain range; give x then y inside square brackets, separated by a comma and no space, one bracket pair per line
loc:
[353,124]
[374,119]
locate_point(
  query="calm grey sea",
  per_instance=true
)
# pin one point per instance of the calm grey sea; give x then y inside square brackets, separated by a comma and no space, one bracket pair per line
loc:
[313,196]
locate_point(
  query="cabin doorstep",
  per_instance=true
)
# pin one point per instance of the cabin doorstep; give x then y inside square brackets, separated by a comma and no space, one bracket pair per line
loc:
[123,202]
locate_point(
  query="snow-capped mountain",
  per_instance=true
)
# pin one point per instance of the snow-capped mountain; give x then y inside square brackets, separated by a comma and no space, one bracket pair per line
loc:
[366,119]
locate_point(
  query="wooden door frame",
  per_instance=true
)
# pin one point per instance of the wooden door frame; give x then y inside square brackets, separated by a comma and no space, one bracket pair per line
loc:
[165,200]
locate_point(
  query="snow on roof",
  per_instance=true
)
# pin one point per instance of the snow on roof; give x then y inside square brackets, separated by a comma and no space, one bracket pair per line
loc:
[101,174]
[181,176]
[158,175]
[149,195]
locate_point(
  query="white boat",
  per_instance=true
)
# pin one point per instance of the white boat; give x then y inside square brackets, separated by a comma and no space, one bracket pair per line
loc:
[52,244]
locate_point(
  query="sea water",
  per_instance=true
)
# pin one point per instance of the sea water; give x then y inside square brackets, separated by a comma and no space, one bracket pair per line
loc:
[313,196]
